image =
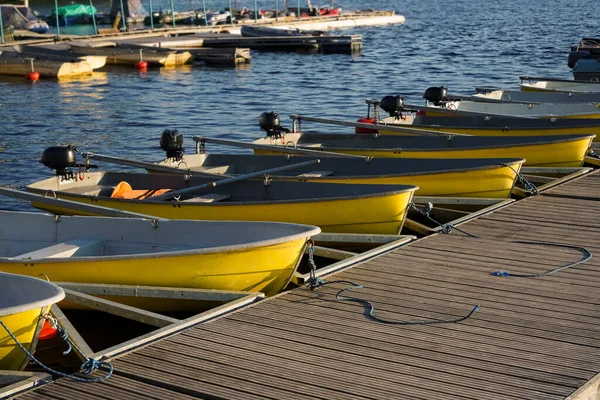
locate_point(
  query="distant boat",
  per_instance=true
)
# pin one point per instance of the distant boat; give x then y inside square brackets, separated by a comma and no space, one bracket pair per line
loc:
[262,31]
[73,14]
[22,18]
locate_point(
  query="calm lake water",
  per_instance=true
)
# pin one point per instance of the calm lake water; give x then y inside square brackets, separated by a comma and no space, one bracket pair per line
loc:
[460,44]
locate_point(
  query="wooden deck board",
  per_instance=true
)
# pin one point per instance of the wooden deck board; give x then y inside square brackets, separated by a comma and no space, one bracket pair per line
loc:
[532,338]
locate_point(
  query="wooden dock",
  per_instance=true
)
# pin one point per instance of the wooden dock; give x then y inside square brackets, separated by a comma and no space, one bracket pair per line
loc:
[532,338]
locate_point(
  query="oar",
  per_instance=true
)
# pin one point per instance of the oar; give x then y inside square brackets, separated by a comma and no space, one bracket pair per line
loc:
[275,148]
[86,208]
[175,193]
[385,126]
[147,165]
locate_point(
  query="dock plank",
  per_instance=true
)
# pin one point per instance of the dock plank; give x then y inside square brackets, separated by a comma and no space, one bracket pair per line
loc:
[532,338]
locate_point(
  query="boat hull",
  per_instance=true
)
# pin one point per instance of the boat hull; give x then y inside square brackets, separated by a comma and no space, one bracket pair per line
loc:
[508,131]
[480,179]
[486,183]
[264,269]
[560,153]
[24,326]
[382,214]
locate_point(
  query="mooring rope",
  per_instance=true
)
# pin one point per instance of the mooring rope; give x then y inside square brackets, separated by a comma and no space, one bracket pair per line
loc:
[587,255]
[89,365]
[315,283]
[446,228]
[530,187]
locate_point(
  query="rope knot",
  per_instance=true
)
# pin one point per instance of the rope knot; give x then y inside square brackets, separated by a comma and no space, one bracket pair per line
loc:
[500,273]
[89,366]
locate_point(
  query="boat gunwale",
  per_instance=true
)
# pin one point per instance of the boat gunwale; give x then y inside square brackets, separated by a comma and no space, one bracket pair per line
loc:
[560,139]
[59,294]
[309,231]
[485,166]
[400,190]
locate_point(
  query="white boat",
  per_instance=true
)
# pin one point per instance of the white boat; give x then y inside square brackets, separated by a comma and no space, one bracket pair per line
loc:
[558,85]
[535,97]
[543,110]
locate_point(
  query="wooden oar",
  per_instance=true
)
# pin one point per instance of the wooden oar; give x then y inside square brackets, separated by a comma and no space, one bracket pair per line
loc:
[379,125]
[278,149]
[147,165]
[175,193]
[86,208]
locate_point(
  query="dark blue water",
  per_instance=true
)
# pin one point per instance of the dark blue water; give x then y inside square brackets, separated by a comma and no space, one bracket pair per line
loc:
[460,44]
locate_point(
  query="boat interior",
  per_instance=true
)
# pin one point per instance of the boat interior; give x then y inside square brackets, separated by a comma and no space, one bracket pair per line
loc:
[337,167]
[142,187]
[37,236]
[21,293]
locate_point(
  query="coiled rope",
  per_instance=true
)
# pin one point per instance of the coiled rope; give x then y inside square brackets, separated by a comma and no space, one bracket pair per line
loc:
[316,283]
[587,255]
[89,365]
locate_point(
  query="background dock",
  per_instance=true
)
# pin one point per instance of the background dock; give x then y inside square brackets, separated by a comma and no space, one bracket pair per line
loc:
[532,338]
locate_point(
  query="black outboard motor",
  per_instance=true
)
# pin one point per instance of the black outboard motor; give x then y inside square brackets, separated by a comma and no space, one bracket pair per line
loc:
[171,141]
[392,105]
[59,158]
[437,95]
[270,123]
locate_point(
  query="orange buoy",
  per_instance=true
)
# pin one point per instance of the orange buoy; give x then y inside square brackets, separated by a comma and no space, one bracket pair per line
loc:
[141,65]
[365,121]
[47,331]
[33,76]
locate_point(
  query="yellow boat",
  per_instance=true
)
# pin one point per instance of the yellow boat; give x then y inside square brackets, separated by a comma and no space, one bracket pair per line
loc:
[419,118]
[23,300]
[492,125]
[549,151]
[487,178]
[220,255]
[331,207]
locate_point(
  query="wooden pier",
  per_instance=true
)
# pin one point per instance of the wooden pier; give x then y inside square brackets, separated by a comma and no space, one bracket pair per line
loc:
[532,338]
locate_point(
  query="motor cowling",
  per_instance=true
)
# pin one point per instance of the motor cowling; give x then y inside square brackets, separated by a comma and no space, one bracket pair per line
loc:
[171,141]
[271,124]
[436,95]
[59,158]
[392,105]
[575,56]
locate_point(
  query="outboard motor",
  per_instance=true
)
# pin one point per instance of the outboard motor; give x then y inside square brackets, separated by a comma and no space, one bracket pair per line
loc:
[270,123]
[436,95]
[59,159]
[392,105]
[171,141]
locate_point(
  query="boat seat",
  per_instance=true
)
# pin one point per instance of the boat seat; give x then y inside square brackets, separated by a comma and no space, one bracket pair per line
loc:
[79,247]
[216,169]
[208,198]
[315,174]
